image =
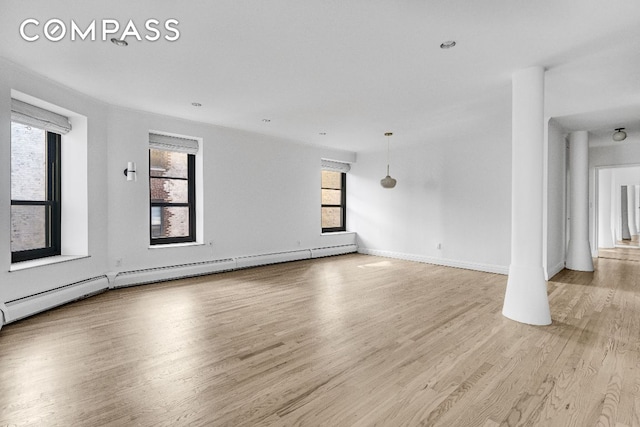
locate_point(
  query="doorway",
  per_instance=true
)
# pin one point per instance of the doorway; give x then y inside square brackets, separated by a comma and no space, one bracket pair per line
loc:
[618,212]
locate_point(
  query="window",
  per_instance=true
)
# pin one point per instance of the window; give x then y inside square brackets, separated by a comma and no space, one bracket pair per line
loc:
[35,193]
[35,181]
[172,189]
[334,201]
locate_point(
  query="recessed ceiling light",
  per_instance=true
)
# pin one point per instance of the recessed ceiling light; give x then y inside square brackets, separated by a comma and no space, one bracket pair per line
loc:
[448,44]
[196,104]
[266,120]
[118,42]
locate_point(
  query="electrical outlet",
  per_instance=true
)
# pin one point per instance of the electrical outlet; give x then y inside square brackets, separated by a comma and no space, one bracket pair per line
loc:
[119,262]
[439,246]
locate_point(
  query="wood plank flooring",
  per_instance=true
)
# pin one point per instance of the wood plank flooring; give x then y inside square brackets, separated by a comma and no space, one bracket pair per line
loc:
[622,253]
[344,341]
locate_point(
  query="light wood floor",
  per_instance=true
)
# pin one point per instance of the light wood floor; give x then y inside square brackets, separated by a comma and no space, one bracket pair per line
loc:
[621,253]
[635,239]
[344,341]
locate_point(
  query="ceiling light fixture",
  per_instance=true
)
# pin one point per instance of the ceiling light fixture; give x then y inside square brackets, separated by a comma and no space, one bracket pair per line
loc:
[118,42]
[322,133]
[266,120]
[196,104]
[387,181]
[448,44]
[619,135]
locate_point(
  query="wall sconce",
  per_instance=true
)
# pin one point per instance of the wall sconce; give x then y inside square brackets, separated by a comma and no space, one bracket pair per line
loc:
[130,172]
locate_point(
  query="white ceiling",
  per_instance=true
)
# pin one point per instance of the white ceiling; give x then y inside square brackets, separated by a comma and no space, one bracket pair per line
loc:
[351,68]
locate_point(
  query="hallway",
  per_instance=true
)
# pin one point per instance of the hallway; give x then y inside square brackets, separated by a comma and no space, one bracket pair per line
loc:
[621,253]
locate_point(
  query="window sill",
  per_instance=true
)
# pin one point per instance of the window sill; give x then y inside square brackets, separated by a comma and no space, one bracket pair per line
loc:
[25,265]
[176,245]
[334,233]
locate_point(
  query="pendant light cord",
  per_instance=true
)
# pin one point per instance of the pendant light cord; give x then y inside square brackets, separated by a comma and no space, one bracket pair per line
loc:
[388,135]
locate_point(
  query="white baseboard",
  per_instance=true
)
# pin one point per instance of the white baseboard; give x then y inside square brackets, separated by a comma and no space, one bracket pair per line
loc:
[555,270]
[487,268]
[24,307]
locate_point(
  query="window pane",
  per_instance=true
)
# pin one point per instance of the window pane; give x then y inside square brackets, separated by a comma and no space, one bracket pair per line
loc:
[28,227]
[169,221]
[168,163]
[156,221]
[331,179]
[169,190]
[331,197]
[28,163]
[331,217]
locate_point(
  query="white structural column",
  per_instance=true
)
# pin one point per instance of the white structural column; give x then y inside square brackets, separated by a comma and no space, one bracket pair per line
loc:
[579,250]
[624,214]
[605,203]
[526,298]
[631,207]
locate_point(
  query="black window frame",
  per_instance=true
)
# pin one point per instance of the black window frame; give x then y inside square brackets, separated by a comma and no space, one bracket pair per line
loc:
[53,222]
[191,204]
[343,204]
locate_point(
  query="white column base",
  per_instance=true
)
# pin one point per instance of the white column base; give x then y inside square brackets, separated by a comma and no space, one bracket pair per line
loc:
[526,299]
[579,256]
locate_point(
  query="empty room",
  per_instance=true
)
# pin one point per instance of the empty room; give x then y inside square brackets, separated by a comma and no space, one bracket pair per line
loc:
[320,213]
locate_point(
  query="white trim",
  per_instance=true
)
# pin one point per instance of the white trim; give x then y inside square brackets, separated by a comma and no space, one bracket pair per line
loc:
[41,262]
[335,233]
[554,270]
[487,268]
[175,245]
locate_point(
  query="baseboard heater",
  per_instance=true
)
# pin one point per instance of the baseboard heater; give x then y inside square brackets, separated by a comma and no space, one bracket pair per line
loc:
[140,277]
[333,250]
[28,306]
[274,258]
[150,275]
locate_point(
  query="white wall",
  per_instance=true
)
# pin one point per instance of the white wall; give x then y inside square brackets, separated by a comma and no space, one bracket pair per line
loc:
[556,199]
[453,190]
[259,194]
